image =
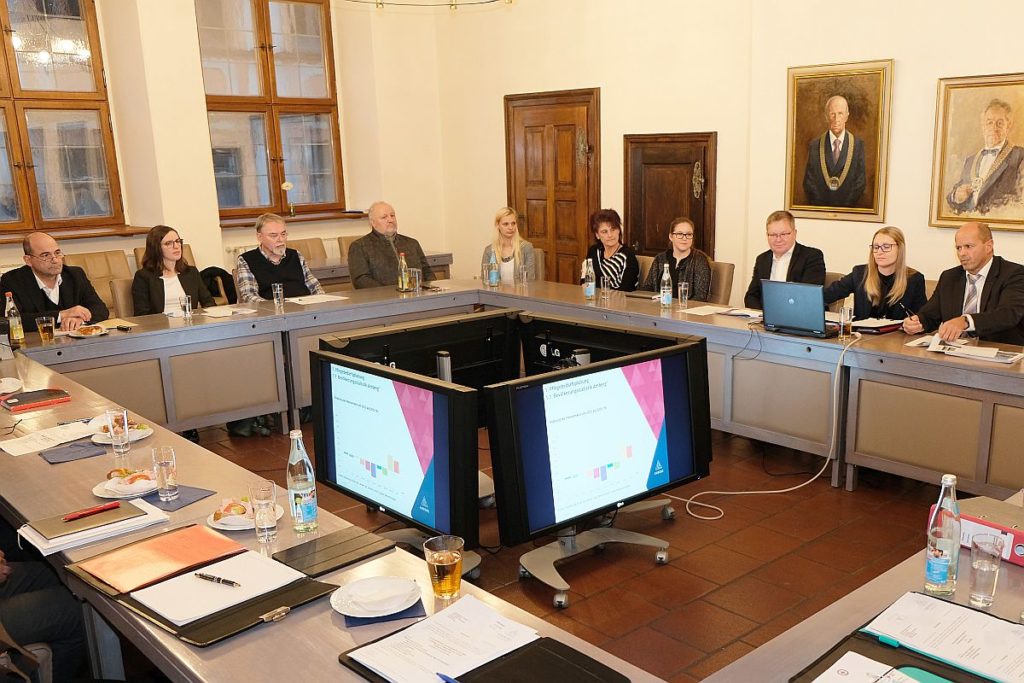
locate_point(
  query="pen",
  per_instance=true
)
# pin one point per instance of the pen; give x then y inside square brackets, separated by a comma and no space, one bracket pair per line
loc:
[447,679]
[95,510]
[218,579]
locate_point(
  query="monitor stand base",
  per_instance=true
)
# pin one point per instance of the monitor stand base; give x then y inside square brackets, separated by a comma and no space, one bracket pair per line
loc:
[540,563]
[415,539]
[667,511]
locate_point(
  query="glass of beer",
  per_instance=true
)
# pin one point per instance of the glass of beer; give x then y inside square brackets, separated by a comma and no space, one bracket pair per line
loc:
[444,560]
[45,325]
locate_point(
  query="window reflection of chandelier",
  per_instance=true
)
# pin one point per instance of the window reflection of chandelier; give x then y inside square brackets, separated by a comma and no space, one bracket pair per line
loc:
[450,4]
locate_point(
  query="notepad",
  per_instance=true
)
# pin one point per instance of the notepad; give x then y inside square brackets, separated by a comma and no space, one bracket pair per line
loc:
[185,598]
[80,538]
[316,299]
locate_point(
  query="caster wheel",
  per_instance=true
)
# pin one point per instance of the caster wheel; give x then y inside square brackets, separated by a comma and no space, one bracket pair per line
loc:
[370,508]
[599,548]
[561,600]
[486,502]
[473,574]
[661,557]
[523,573]
[668,512]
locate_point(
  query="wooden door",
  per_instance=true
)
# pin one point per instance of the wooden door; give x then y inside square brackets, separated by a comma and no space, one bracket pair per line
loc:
[669,175]
[553,165]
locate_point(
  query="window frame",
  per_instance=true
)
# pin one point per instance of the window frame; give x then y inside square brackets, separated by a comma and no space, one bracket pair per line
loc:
[18,174]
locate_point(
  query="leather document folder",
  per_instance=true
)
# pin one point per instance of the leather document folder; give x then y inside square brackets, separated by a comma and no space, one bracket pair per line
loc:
[55,527]
[544,660]
[333,551]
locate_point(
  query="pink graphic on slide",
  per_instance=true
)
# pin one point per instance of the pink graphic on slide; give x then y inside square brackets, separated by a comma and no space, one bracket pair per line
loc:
[645,381]
[418,408]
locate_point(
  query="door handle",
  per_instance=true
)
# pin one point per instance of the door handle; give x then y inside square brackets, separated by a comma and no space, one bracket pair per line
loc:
[698,180]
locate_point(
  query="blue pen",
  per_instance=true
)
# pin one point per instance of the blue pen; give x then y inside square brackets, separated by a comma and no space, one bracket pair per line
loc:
[447,679]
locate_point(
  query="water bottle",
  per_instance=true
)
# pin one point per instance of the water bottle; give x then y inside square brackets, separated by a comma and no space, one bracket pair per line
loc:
[942,554]
[403,272]
[301,485]
[666,288]
[493,274]
[589,281]
[15,332]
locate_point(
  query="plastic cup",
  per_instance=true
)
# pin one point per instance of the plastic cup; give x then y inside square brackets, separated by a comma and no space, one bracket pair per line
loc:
[117,427]
[166,471]
[263,498]
[986,553]
[278,292]
[45,325]
[444,560]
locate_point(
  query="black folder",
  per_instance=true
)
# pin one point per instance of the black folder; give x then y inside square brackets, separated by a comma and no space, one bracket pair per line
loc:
[544,660]
[333,551]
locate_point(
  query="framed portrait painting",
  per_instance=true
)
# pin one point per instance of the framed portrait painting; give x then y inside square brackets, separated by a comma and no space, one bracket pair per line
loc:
[978,163]
[837,140]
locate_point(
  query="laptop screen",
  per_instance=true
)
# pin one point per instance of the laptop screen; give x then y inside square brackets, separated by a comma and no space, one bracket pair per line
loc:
[793,307]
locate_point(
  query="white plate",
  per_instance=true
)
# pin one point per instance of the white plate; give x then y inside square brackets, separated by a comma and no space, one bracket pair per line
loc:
[78,335]
[375,596]
[101,490]
[249,526]
[103,438]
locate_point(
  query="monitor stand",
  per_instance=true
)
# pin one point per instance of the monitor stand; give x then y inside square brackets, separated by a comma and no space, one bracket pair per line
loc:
[667,511]
[540,563]
[415,539]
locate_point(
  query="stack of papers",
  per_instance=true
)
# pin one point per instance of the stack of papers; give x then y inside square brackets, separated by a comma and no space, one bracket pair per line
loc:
[61,543]
[47,438]
[458,639]
[316,299]
[225,311]
[724,310]
[961,349]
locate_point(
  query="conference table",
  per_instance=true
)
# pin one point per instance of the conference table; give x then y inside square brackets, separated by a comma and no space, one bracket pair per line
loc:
[305,644]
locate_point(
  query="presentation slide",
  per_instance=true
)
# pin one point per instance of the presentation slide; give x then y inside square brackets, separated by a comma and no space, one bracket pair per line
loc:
[384,442]
[606,437]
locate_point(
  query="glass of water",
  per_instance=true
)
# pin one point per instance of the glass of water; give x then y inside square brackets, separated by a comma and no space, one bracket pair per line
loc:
[684,295]
[185,302]
[986,552]
[263,497]
[277,289]
[166,470]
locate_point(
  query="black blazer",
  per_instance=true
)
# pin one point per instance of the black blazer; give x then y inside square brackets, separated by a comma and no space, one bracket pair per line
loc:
[148,290]
[75,290]
[1001,316]
[807,265]
[913,298]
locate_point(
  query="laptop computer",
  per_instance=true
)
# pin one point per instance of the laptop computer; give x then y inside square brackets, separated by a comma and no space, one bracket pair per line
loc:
[795,308]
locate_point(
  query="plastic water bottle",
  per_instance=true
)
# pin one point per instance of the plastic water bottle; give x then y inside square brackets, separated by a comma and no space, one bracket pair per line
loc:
[301,485]
[403,272]
[666,288]
[493,274]
[15,331]
[589,281]
[942,554]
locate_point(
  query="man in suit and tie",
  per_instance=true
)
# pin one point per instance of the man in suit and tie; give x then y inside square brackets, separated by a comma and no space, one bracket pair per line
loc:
[984,295]
[44,286]
[785,259]
[835,174]
[991,177]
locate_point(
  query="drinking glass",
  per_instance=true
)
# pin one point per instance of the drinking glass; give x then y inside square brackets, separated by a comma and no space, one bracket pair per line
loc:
[45,325]
[444,560]
[263,497]
[986,552]
[278,292]
[845,322]
[522,275]
[606,288]
[684,295]
[117,426]
[415,279]
[186,307]
[166,471]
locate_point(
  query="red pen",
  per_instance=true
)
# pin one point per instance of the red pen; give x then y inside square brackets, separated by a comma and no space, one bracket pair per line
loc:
[95,510]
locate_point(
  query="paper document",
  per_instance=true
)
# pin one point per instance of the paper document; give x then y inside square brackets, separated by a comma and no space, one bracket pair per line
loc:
[186,597]
[926,342]
[47,438]
[854,667]
[225,311]
[61,543]
[114,323]
[460,638]
[707,310]
[316,299]
[969,639]
[961,349]
[874,323]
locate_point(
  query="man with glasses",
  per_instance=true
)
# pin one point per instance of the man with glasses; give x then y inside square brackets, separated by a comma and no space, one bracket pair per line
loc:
[983,296]
[44,286]
[786,260]
[272,262]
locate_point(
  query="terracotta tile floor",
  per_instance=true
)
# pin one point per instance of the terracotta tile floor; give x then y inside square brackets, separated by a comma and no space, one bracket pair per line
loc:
[730,584]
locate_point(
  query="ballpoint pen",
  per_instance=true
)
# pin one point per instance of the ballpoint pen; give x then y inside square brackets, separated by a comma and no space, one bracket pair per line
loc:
[218,579]
[95,510]
[446,679]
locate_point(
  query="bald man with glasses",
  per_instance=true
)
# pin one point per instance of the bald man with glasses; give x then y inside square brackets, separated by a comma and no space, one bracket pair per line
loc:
[786,259]
[45,286]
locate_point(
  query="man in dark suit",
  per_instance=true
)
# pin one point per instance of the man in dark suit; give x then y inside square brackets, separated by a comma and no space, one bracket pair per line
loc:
[991,177]
[44,286]
[835,174]
[984,295]
[785,259]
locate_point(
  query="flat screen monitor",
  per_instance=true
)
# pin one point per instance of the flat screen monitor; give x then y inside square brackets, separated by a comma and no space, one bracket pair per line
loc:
[572,444]
[402,443]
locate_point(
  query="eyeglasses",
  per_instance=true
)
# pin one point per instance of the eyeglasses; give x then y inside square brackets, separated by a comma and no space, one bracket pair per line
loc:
[682,235]
[49,255]
[9,430]
[779,235]
[171,243]
[884,248]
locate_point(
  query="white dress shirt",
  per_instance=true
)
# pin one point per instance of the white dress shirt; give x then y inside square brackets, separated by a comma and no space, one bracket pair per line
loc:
[780,265]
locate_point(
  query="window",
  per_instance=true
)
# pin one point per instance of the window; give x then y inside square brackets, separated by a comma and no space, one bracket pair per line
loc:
[57,164]
[271,104]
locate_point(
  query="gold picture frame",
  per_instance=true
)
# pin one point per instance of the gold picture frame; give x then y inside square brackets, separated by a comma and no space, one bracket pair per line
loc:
[844,181]
[977,169]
